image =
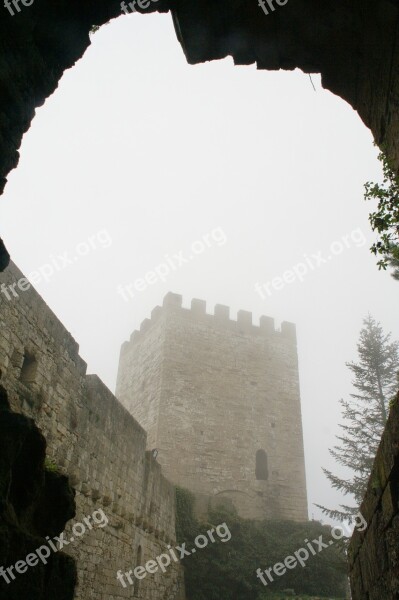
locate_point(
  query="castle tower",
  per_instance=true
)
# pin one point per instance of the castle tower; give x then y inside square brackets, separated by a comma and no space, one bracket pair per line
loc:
[220,402]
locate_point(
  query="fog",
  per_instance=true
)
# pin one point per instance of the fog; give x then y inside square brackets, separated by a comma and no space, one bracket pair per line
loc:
[138,157]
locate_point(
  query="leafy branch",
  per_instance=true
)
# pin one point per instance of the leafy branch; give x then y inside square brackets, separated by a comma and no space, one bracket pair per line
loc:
[385,219]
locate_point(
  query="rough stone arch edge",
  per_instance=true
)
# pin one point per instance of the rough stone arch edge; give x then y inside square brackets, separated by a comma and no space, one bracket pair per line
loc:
[353,45]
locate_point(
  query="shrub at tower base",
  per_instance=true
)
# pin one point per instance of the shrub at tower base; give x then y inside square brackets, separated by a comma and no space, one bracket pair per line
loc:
[227,570]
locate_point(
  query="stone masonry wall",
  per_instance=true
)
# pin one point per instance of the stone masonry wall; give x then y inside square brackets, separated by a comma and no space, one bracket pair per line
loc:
[374,552]
[139,384]
[227,389]
[97,443]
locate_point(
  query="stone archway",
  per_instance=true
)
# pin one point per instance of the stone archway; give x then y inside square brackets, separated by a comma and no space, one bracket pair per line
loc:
[353,45]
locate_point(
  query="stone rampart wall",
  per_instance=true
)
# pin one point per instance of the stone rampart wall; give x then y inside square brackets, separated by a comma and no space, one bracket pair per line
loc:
[94,440]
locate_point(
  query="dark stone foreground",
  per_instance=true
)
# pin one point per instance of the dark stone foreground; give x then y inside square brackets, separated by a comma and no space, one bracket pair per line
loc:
[34,503]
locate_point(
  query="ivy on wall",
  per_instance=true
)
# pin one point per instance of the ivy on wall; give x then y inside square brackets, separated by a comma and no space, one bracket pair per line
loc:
[227,570]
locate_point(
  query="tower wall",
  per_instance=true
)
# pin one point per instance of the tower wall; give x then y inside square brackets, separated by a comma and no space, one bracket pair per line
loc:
[139,385]
[212,392]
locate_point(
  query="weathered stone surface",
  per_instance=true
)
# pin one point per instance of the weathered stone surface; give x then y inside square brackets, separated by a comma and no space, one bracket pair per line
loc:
[93,438]
[353,45]
[222,390]
[374,553]
[33,504]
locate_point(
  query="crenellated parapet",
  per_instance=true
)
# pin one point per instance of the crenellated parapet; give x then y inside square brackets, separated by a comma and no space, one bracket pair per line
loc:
[220,318]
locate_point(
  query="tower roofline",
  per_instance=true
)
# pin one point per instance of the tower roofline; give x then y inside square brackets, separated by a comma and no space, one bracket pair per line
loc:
[220,318]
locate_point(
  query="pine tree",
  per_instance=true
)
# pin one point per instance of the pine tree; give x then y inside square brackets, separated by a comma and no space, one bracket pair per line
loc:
[393,261]
[364,415]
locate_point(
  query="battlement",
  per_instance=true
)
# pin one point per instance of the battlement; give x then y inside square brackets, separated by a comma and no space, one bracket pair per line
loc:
[220,318]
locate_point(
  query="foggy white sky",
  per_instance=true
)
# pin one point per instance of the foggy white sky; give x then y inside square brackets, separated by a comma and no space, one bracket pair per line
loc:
[158,153]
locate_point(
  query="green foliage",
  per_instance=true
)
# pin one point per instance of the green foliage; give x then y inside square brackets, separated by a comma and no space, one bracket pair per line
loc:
[393,262]
[50,465]
[385,220]
[95,28]
[365,415]
[227,570]
[394,401]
